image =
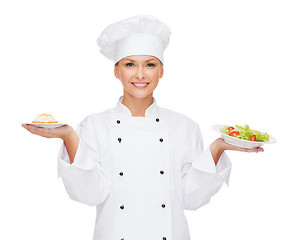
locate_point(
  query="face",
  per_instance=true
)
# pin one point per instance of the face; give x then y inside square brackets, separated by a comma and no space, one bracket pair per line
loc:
[139,74]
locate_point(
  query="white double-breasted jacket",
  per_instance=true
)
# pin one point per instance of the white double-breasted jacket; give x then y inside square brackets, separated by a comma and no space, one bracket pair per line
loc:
[141,172]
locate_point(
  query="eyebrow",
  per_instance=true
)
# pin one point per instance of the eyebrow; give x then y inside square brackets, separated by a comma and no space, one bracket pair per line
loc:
[131,60]
[152,59]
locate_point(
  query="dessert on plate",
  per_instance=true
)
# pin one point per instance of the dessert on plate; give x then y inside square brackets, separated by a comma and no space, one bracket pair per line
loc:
[45,118]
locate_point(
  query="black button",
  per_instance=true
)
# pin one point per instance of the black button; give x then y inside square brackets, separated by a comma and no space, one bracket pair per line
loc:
[162,172]
[163,205]
[119,140]
[157,119]
[118,121]
[123,238]
[164,238]
[121,173]
[161,139]
[122,207]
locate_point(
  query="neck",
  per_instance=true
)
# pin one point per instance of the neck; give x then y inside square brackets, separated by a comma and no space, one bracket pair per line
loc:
[137,106]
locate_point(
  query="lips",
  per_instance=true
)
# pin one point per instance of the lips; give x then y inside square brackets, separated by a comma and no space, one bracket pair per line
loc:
[140,84]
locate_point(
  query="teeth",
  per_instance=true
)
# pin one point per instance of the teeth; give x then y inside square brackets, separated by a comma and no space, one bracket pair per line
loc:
[140,84]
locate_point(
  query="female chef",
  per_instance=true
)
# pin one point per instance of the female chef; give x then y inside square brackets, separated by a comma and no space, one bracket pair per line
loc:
[141,165]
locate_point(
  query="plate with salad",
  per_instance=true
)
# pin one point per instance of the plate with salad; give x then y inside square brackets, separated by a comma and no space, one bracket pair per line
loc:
[243,136]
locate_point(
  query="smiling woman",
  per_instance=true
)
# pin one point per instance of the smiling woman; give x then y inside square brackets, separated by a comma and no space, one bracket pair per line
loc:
[139,75]
[138,160]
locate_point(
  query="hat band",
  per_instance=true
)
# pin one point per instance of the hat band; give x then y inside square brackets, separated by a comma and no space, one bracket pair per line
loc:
[139,44]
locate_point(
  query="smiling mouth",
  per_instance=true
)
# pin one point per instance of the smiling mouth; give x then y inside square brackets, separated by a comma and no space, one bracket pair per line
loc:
[140,85]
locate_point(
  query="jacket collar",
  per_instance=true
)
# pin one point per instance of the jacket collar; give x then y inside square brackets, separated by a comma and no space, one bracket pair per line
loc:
[151,111]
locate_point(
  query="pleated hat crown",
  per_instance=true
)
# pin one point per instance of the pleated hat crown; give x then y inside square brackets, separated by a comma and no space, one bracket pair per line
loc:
[139,35]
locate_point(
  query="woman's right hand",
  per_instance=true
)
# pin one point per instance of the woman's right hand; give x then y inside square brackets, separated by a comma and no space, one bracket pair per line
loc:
[66,133]
[60,132]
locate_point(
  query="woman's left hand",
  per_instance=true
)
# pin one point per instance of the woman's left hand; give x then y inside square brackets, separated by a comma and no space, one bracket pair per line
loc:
[222,145]
[219,145]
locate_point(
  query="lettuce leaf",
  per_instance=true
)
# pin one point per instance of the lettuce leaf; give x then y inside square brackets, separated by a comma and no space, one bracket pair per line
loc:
[246,132]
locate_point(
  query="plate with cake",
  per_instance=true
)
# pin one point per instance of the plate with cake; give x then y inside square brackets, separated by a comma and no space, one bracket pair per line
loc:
[45,120]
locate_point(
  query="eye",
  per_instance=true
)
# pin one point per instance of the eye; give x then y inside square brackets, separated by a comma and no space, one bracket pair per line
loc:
[150,65]
[129,64]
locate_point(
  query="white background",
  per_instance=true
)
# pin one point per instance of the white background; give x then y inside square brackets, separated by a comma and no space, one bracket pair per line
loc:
[226,64]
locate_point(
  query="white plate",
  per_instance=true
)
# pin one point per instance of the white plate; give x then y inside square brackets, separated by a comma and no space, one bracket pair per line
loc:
[47,125]
[240,142]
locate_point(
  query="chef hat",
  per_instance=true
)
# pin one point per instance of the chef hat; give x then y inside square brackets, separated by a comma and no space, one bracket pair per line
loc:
[139,35]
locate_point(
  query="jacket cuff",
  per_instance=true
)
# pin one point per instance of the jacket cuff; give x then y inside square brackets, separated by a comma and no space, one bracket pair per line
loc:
[63,160]
[205,163]
[223,167]
[83,152]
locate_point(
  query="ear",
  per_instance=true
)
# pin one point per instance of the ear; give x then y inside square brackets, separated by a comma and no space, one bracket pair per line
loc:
[116,72]
[161,71]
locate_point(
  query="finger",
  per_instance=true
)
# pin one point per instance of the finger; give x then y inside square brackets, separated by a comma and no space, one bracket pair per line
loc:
[28,127]
[256,150]
[259,149]
[236,148]
[37,130]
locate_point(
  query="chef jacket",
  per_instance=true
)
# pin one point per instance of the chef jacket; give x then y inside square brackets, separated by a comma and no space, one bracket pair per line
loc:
[141,173]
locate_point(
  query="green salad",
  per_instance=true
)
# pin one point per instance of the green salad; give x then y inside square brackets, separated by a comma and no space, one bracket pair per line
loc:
[245,133]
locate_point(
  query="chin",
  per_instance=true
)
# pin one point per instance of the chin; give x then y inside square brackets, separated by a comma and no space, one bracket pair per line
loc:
[140,95]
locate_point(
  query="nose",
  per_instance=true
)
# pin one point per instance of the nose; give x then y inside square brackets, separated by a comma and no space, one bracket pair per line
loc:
[140,73]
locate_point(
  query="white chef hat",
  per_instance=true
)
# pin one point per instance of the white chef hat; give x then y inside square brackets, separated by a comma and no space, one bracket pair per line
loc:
[139,35]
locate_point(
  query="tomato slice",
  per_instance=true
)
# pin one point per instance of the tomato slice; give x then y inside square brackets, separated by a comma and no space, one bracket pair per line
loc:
[253,138]
[234,133]
[231,128]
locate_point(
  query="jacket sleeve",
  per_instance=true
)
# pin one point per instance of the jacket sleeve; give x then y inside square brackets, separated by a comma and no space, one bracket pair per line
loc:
[201,178]
[85,179]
